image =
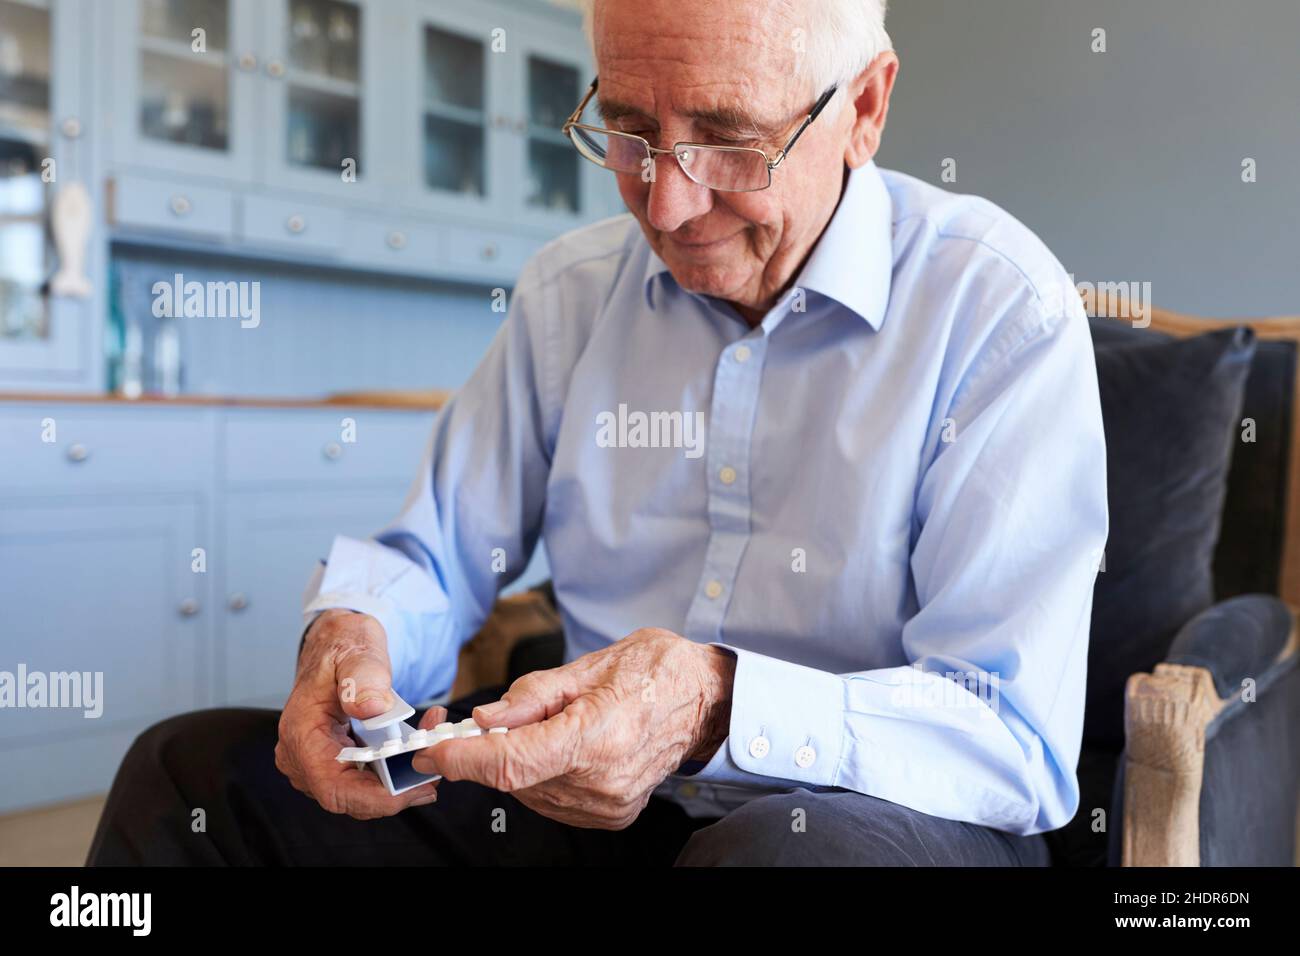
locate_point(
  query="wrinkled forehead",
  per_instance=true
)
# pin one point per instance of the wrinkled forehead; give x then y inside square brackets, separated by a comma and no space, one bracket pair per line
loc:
[721,62]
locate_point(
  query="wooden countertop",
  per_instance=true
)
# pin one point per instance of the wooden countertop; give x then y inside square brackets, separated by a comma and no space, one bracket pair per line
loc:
[413,400]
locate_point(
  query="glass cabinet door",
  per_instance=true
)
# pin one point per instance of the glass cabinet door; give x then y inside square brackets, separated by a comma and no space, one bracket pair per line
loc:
[25,255]
[456,128]
[557,188]
[39,330]
[184,74]
[552,182]
[319,61]
[188,85]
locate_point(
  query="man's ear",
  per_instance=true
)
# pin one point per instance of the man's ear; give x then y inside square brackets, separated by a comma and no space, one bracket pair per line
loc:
[870,93]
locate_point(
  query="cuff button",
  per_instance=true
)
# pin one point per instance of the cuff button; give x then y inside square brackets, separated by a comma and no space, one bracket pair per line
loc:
[804,757]
[759,747]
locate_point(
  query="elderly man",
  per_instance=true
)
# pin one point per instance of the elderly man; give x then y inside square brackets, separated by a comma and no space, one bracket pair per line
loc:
[849,626]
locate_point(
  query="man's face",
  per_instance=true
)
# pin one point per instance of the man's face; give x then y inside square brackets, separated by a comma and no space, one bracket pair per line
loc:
[686,71]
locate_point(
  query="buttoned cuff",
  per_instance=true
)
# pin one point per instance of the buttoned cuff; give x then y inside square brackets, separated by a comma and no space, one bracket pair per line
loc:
[787,725]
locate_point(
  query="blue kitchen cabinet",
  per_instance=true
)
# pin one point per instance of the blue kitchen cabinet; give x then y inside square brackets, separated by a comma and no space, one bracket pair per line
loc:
[413,136]
[97,586]
[493,86]
[557,187]
[99,528]
[46,329]
[291,480]
[99,575]
[455,124]
[184,77]
[276,93]
[328,89]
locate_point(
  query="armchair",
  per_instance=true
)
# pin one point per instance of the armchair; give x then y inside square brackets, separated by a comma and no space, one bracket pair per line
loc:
[1210,770]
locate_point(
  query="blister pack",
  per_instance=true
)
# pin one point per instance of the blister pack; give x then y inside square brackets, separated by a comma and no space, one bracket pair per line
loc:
[390,743]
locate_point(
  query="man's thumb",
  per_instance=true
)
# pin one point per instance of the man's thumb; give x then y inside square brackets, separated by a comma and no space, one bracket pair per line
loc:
[365,685]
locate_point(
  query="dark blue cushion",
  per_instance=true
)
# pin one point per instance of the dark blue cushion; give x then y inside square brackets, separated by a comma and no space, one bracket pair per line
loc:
[1248,559]
[1172,412]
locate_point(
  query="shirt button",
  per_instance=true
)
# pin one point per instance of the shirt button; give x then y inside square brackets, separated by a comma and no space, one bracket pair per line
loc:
[713,589]
[743,353]
[758,747]
[727,475]
[804,757]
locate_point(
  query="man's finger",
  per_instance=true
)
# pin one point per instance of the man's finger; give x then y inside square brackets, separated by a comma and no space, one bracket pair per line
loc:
[522,758]
[531,699]
[347,788]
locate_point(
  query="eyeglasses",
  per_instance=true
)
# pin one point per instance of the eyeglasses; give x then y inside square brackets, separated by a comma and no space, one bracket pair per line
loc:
[739,169]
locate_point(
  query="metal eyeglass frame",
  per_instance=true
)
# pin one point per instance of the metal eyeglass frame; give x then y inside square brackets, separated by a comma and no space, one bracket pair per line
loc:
[651,151]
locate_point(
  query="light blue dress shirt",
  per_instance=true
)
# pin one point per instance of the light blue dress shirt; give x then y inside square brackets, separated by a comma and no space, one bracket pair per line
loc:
[894,519]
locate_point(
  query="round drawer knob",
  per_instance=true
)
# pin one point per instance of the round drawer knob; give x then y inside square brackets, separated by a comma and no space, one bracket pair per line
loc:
[489,251]
[238,601]
[180,206]
[78,452]
[333,451]
[397,240]
[189,607]
[275,68]
[295,224]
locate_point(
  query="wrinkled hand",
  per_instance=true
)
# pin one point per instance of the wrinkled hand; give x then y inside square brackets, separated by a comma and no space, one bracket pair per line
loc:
[343,671]
[590,741]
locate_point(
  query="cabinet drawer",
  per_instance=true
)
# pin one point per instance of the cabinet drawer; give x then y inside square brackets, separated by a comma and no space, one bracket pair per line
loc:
[291,224]
[99,449]
[387,244]
[173,206]
[346,444]
[498,254]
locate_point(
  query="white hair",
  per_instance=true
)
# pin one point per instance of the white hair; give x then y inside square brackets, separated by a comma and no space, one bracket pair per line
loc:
[839,40]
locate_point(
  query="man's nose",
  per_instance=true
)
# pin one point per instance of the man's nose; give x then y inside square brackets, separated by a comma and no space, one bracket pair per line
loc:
[674,197]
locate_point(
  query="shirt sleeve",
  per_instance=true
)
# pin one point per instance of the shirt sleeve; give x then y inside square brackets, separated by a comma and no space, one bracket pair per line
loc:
[472,517]
[984,723]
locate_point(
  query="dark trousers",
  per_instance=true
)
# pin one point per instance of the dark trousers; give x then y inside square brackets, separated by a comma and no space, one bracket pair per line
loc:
[222,762]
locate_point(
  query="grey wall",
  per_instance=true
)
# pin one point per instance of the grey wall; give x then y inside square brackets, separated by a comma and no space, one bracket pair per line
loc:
[1128,162]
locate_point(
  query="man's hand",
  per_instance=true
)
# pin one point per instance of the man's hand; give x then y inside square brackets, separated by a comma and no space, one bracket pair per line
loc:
[590,741]
[343,671]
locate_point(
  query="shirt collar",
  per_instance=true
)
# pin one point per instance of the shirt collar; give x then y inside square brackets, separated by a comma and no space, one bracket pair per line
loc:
[852,262]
